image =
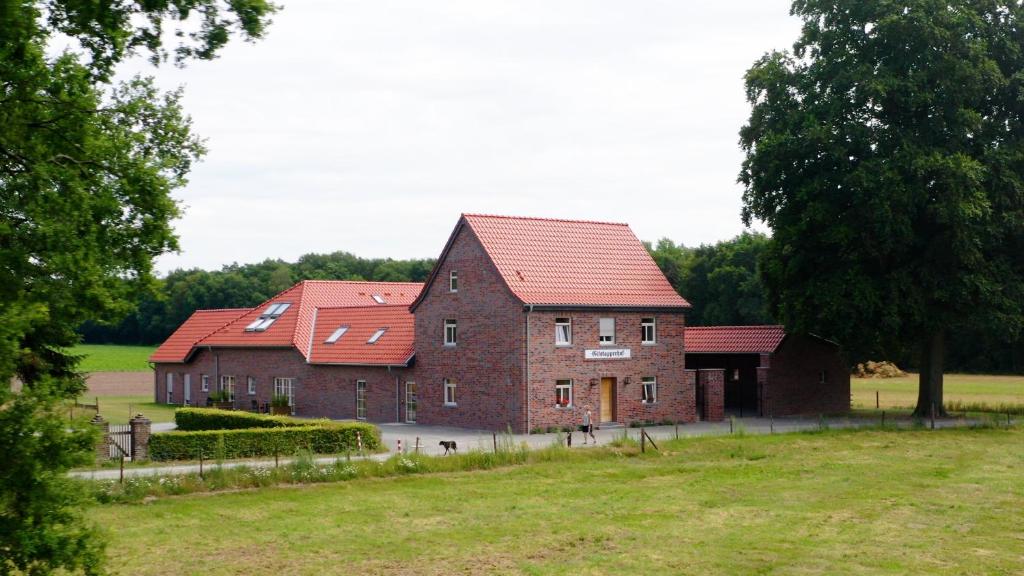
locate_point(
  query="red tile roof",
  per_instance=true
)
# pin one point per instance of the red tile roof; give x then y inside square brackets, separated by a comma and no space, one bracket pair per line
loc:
[293,327]
[200,324]
[573,262]
[394,348]
[733,339]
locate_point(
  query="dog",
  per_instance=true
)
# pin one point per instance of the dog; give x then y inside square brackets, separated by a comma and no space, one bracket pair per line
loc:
[449,445]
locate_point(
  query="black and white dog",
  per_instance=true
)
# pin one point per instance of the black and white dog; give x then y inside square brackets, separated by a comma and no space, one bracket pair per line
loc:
[449,445]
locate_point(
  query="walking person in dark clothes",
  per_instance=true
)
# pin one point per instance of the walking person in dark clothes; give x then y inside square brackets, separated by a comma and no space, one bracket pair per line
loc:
[588,426]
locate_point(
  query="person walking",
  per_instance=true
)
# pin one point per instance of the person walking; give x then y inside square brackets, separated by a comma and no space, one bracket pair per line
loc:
[588,426]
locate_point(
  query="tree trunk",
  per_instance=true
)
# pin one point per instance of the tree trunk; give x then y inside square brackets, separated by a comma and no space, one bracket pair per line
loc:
[929,388]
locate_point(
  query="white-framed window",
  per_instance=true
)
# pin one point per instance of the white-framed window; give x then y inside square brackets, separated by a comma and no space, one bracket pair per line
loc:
[170,388]
[336,334]
[272,313]
[607,331]
[187,385]
[563,393]
[563,331]
[451,335]
[648,331]
[204,382]
[227,383]
[453,281]
[285,387]
[379,299]
[449,392]
[376,335]
[251,382]
[649,393]
[361,399]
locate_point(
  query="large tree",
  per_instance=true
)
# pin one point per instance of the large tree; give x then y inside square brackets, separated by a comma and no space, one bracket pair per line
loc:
[886,153]
[87,167]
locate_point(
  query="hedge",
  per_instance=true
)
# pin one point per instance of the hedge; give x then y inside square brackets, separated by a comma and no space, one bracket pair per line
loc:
[326,438]
[213,419]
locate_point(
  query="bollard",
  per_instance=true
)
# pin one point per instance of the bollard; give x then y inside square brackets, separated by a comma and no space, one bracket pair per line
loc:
[416,449]
[399,447]
[494,437]
[122,468]
[275,456]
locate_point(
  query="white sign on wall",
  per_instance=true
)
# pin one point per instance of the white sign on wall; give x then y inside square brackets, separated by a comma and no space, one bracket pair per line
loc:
[607,354]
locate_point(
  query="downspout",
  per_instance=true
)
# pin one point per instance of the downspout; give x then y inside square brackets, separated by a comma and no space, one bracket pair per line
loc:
[528,412]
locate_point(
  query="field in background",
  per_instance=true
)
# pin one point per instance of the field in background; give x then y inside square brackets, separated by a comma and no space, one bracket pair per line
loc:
[858,502]
[970,389]
[119,409]
[113,358]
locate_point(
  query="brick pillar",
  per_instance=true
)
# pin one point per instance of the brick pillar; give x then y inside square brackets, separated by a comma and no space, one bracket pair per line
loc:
[140,427]
[713,381]
[103,445]
[689,395]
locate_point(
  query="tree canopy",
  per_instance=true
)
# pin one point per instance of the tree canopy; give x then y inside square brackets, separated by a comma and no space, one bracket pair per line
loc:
[886,153]
[87,167]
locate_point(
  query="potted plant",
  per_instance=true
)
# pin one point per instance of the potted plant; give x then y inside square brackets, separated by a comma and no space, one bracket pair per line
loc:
[222,400]
[279,405]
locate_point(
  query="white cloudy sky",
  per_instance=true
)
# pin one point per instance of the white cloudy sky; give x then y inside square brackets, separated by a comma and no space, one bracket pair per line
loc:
[370,126]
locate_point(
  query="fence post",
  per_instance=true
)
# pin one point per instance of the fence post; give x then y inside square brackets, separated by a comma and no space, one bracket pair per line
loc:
[876,400]
[122,468]
[677,429]
[643,441]
[494,437]
[103,446]
[140,431]
[200,463]
[771,424]
[731,420]
[416,448]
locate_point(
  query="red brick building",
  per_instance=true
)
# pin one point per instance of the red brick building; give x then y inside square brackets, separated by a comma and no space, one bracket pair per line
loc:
[768,372]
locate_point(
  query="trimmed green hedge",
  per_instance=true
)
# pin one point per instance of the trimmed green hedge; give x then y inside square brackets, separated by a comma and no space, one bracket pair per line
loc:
[325,438]
[212,419]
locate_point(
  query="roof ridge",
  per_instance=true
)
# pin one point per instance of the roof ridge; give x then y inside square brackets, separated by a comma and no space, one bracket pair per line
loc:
[543,219]
[747,326]
[362,306]
[320,280]
[219,309]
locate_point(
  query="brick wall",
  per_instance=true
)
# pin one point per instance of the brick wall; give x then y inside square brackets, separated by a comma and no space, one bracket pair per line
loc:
[713,382]
[794,380]
[487,361]
[662,360]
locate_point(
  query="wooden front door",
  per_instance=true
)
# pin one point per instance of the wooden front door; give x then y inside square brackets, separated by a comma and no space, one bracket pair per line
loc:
[607,399]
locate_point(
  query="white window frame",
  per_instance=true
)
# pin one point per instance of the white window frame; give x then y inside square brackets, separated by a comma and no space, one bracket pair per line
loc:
[204,382]
[601,335]
[360,399]
[336,334]
[187,387]
[449,392]
[170,387]
[285,387]
[453,281]
[228,383]
[652,397]
[376,335]
[560,387]
[451,332]
[645,324]
[379,299]
[563,323]
[250,382]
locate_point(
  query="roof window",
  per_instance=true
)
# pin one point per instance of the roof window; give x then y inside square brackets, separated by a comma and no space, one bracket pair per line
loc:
[273,312]
[376,336]
[336,334]
[379,299]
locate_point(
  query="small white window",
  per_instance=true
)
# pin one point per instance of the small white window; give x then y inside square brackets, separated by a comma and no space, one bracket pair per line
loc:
[607,336]
[449,392]
[648,333]
[204,382]
[251,381]
[450,332]
[227,384]
[187,385]
[649,394]
[563,393]
[267,317]
[285,387]
[336,334]
[563,331]
[361,399]
[453,281]
[379,299]
[170,388]
[376,336]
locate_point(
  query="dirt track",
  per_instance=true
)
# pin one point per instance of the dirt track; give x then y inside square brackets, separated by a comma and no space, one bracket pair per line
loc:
[121,384]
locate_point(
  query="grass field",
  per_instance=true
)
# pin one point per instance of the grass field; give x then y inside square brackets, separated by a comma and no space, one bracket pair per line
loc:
[112,358]
[119,409]
[835,502]
[966,388]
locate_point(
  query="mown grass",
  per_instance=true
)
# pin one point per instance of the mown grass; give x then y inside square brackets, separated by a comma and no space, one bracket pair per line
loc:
[947,501]
[120,409]
[113,358]
[962,392]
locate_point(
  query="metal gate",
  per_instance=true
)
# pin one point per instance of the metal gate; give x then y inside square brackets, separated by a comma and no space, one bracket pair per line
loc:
[120,441]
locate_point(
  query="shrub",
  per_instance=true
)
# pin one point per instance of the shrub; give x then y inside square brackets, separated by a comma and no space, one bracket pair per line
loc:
[325,438]
[189,419]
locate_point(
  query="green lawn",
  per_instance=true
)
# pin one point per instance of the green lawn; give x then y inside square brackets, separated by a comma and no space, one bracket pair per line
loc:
[119,409]
[967,388]
[113,358]
[829,503]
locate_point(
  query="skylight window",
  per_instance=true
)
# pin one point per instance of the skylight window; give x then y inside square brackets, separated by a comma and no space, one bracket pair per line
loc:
[379,299]
[376,336]
[336,334]
[267,317]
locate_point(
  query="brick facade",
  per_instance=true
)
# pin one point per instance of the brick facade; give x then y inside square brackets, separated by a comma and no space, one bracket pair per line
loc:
[795,385]
[712,383]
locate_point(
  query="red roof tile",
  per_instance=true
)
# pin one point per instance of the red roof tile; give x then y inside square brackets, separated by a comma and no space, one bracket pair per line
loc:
[293,327]
[394,348]
[573,262]
[733,339]
[200,324]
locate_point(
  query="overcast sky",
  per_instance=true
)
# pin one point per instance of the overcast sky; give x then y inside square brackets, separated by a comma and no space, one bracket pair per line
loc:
[370,126]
